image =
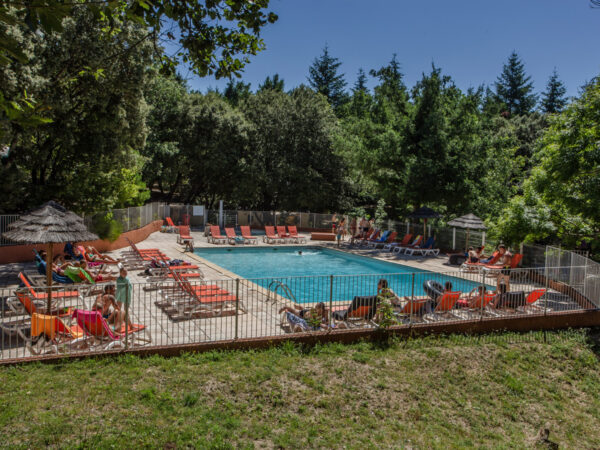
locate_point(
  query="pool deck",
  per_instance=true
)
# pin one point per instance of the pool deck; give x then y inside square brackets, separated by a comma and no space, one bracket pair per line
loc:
[258,308]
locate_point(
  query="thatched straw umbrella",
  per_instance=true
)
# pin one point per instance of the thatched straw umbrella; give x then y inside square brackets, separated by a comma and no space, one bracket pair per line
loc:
[424,213]
[50,224]
[469,222]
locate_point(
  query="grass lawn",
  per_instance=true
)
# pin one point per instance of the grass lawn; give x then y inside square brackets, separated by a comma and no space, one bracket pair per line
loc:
[455,392]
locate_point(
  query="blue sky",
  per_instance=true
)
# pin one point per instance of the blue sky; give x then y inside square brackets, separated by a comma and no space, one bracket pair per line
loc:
[468,39]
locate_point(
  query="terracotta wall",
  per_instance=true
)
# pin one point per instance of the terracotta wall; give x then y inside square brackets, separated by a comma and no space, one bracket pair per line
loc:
[23,253]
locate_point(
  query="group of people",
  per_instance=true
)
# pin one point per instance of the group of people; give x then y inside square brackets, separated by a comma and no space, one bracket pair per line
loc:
[78,264]
[88,266]
[338,227]
[317,317]
[503,260]
[114,302]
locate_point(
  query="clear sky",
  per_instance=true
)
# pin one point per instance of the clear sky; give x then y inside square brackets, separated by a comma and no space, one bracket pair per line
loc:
[468,39]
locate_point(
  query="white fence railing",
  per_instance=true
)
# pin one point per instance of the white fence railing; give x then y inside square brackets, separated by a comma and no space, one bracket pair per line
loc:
[576,270]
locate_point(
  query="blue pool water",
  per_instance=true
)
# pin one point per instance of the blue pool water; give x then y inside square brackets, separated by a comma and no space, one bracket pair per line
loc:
[308,274]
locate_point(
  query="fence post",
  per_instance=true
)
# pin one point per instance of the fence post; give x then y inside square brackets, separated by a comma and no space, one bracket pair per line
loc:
[407,227]
[483,292]
[237,306]
[412,300]
[127,316]
[330,299]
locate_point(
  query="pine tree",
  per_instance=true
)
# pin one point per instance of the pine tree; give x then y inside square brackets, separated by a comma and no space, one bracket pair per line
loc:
[361,82]
[360,103]
[324,78]
[236,91]
[390,94]
[272,83]
[514,87]
[553,99]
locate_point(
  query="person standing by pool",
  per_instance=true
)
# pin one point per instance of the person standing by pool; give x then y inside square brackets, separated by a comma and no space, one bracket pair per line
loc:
[341,230]
[123,294]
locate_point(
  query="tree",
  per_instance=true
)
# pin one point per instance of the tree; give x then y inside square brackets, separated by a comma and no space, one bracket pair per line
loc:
[236,91]
[324,79]
[443,145]
[86,158]
[514,87]
[273,83]
[361,82]
[214,38]
[553,99]
[560,198]
[294,162]
[167,97]
[361,101]
[391,98]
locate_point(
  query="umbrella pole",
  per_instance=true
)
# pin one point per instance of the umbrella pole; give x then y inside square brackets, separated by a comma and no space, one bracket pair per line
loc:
[467,241]
[49,276]
[424,229]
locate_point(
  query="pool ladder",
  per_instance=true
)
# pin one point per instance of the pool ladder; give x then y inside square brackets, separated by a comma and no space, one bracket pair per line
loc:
[284,287]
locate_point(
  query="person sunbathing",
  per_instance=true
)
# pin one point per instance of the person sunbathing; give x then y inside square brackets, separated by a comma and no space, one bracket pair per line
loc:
[97,276]
[304,319]
[93,255]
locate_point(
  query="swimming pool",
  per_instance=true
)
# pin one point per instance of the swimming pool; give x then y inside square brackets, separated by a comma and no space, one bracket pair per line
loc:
[307,274]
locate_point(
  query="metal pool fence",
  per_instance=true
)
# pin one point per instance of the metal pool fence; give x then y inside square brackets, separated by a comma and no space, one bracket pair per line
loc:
[164,313]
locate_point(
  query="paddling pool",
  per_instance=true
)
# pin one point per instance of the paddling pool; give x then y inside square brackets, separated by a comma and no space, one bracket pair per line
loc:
[307,272]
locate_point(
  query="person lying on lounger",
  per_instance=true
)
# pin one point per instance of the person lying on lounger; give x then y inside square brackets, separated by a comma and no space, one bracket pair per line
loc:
[99,275]
[303,319]
[95,256]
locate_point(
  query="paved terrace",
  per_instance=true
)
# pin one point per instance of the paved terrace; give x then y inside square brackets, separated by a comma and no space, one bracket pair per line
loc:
[160,307]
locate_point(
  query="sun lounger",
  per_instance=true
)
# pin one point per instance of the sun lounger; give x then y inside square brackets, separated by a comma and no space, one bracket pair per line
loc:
[232,238]
[49,334]
[401,248]
[391,244]
[443,308]
[99,334]
[44,295]
[284,234]
[215,235]
[184,235]
[294,234]
[391,237]
[478,266]
[494,269]
[360,309]
[425,249]
[372,237]
[247,235]
[380,240]
[271,237]
[170,225]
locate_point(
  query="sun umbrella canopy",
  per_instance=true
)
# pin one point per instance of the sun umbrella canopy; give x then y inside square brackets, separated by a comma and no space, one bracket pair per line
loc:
[470,221]
[50,223]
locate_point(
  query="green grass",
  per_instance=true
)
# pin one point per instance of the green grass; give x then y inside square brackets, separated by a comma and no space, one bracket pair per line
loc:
[455,392]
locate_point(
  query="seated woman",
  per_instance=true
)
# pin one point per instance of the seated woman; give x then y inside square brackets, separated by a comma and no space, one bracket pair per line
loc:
[299,318]
[107,306]
[476,297]
[93,255]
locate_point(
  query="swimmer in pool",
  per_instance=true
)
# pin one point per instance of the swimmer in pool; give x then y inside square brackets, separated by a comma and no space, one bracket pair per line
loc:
[300,252]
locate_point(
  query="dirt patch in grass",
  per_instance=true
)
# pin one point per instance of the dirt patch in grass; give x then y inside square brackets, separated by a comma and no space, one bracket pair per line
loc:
[424,393]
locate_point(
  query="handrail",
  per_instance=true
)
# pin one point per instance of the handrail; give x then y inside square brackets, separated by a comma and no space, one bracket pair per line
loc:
[280,284]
